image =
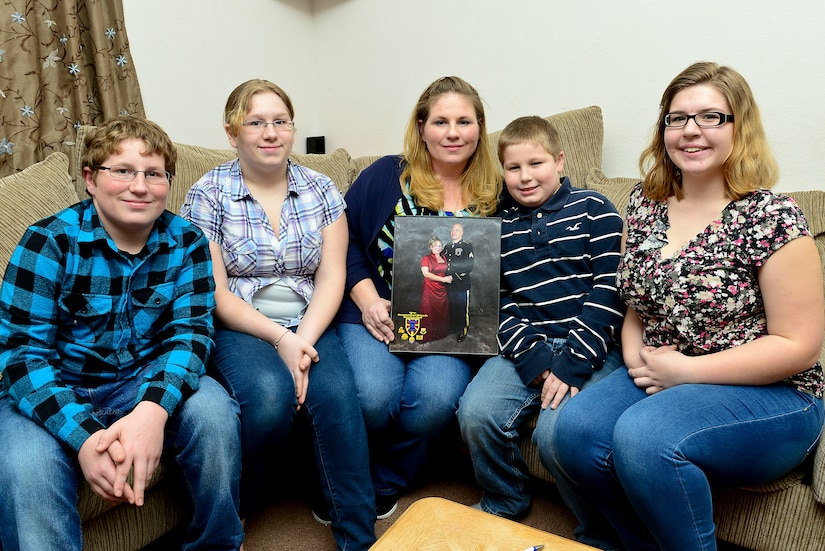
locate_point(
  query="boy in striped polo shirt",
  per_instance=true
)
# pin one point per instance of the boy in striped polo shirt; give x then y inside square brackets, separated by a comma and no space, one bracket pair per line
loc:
[560,315]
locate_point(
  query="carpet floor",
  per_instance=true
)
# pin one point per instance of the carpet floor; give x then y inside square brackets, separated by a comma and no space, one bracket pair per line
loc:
[287,523]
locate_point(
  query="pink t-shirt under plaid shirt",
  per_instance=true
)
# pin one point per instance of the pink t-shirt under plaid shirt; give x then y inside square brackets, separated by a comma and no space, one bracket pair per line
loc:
[255,256]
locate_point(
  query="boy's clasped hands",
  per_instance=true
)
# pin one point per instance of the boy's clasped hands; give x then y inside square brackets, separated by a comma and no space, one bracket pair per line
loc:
[133,442]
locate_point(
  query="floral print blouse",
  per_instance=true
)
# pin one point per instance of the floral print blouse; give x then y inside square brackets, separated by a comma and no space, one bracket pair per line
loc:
[705,297]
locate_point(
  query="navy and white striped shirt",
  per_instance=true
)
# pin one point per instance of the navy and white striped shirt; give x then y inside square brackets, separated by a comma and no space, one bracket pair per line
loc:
[558,265]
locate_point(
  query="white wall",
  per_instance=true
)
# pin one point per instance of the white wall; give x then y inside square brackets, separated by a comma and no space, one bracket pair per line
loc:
[190,54]
[354,68]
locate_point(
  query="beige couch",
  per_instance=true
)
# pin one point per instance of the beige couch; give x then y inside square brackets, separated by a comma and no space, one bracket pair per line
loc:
[785,515]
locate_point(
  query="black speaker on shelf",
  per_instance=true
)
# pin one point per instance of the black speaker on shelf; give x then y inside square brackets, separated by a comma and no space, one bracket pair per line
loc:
[316,144]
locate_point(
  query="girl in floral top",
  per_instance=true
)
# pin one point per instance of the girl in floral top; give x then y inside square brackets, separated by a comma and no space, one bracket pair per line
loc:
[722,335]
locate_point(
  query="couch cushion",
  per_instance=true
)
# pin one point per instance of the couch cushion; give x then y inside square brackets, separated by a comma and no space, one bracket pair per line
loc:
[193,162]
[361,163]
[581,132]
[90,505]
[812,204]
[617,190]
[29,195]
[337,165]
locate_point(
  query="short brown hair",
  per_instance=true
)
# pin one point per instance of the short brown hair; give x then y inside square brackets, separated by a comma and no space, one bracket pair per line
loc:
[532,130]
[105,140]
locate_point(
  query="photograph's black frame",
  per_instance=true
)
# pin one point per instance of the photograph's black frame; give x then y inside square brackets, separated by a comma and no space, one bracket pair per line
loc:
[411,243]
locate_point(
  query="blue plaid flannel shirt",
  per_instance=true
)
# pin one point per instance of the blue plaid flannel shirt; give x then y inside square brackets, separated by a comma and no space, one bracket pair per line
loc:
[76,312]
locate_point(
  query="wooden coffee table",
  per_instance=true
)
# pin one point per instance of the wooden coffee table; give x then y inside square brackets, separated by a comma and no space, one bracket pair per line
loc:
[435,524]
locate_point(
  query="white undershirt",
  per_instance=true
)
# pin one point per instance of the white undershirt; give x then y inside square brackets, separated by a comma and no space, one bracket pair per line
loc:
[279,303]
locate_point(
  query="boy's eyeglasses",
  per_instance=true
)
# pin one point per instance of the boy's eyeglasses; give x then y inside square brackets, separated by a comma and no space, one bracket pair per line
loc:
[280,125]
[127,174]
[706,119]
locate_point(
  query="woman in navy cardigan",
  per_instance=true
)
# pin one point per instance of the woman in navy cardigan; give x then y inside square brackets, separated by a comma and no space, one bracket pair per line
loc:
[447,169]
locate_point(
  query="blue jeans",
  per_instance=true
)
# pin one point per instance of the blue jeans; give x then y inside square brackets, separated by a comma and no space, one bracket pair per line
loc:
[647,463]
[407,400]
[493,409]
[39,477]
[259,380]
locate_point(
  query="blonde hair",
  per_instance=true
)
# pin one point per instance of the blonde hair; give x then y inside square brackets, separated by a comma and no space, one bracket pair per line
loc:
[532,130]
[481,180]
[750,164]
[237,105]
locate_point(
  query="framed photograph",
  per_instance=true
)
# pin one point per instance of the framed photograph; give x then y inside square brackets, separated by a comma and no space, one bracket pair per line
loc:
[445,285]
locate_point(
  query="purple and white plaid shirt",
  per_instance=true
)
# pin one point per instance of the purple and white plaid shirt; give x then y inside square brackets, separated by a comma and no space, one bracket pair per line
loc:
[254,254]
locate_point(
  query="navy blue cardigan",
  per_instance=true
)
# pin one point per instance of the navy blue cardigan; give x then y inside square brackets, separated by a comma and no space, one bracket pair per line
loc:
[370,201]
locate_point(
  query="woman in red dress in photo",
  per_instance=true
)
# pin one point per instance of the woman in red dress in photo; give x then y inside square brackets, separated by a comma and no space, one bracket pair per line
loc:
[434,292]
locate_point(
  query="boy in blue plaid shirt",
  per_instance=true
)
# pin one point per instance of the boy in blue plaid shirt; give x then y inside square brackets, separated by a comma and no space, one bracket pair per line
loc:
[105,329]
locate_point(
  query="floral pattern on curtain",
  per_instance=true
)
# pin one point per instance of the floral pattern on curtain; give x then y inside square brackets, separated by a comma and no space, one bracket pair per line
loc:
[63,64]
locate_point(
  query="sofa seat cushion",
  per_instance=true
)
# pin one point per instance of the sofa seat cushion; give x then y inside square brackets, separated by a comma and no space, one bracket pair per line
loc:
[530,452]
[128,528]
[793,478]
[29,195]
[617,190]
[90,505]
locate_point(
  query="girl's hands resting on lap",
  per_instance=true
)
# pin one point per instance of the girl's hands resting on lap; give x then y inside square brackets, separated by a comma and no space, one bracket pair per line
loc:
[663,367]
[298,355]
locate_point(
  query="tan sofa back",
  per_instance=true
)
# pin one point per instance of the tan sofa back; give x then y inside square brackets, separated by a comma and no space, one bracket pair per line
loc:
[195,161]
[581,132]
